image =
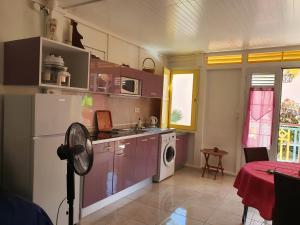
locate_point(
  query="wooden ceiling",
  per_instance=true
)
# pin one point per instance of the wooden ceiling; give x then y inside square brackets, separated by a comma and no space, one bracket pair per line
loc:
[184,26]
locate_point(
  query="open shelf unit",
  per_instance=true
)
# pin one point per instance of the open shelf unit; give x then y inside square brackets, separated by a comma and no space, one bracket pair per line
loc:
[23,62]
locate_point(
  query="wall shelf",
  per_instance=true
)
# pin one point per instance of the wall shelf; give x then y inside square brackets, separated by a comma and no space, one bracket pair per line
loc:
[23,62]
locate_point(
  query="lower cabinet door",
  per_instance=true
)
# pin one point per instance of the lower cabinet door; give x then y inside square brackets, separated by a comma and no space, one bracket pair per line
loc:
[152,156]
[124,164]
[146,157]
[181,150]
[98,183]
[140,158]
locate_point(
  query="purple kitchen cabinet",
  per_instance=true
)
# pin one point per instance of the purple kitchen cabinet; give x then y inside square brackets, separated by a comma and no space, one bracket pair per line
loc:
[98,183]
[124,164]
[152,85]
[140,159]
[129,72]
[146,157]
[105,80]
[104,77]
[181,150]
[152,156]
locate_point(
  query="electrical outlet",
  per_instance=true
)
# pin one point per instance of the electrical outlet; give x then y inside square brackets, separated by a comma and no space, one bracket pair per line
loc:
[136,109]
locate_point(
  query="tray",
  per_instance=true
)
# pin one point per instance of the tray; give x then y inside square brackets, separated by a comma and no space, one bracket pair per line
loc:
[104,122]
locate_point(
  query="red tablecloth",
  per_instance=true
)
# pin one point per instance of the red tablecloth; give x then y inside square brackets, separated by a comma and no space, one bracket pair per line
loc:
[256,187]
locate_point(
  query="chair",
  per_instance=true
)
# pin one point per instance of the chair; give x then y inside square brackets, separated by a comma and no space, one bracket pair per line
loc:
[251,155]
[287,198]
[256,154]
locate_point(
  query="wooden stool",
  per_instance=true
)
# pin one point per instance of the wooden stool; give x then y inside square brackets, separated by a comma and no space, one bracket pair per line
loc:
[217,153]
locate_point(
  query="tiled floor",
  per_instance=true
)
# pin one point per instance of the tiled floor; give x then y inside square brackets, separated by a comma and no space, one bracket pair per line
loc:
[184,199]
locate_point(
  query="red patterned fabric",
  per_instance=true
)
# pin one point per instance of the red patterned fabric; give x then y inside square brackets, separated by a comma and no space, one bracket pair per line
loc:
[258,123]
[256,187]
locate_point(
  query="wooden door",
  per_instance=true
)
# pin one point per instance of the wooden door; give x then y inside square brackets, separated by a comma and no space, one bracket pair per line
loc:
[222,128]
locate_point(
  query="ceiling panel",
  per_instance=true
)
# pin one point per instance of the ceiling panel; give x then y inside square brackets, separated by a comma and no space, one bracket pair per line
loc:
[181,26]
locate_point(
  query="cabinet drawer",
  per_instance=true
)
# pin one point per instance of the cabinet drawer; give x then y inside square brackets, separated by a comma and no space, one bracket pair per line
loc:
[104,147]
[124,144]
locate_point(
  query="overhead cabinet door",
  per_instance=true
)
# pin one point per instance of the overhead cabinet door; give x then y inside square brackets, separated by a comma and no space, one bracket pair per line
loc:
[54,113]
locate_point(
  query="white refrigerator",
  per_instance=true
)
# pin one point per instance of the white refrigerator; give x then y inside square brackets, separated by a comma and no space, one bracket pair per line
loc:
[34,127]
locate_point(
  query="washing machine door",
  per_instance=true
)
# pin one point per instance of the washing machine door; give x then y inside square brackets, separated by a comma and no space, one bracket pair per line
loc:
[169,155]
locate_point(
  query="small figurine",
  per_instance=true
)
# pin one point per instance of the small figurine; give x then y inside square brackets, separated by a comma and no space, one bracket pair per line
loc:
[52,26]
[76,36]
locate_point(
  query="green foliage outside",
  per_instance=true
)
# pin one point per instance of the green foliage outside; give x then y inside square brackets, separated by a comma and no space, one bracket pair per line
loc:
[176,115]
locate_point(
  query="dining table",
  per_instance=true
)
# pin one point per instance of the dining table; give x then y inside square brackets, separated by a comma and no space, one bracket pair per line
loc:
[255,185]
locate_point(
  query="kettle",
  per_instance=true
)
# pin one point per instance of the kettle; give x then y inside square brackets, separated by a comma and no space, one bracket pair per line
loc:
[153,121]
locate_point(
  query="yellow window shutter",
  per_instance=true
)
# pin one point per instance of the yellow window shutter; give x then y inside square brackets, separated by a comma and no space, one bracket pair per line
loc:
[224,59]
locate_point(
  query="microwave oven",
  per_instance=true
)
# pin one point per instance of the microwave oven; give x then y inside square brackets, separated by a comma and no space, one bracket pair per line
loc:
[130,86]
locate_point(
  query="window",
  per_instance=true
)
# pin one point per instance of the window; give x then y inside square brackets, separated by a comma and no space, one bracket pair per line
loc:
[259,118]
[182,113]
[264,57]
[224,59]
[293,55]
[262,80]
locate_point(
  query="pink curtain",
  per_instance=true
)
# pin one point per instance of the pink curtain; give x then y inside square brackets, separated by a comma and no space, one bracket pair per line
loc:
[258,124]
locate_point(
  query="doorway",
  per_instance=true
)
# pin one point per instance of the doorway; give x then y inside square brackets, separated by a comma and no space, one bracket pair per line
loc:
[288,142]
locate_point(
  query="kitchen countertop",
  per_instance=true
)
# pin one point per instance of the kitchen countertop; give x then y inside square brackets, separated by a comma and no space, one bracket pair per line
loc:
[103,137]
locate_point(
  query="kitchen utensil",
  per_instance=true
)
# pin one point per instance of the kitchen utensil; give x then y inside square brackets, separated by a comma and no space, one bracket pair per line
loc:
[54,60]
[104,121]
[63,78]
[150,70]
[153,121]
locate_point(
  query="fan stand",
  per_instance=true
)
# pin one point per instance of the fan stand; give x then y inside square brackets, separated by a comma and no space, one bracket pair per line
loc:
[70,189]
[70,153]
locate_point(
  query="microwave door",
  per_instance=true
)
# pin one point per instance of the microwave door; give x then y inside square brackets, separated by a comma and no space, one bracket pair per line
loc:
[128,86]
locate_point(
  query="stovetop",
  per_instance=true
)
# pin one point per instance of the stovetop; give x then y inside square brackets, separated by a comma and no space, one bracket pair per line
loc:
[100,135]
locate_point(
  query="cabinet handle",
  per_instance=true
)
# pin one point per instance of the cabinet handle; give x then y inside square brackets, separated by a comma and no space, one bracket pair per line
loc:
[122,146]
[177,139]
[152,138]
[153,93]
[122,154]
[144,140]
[127,143]
[108,147]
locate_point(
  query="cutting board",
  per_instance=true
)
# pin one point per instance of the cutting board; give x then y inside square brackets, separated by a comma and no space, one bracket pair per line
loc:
[104,121]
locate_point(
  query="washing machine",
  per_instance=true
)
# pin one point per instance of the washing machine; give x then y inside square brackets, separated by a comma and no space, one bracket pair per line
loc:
[167,154]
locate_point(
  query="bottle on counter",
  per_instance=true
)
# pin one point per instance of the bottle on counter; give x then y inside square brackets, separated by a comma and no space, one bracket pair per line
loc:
[139,124]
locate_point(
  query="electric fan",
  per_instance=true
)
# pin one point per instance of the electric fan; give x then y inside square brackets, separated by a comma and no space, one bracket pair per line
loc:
[78,152]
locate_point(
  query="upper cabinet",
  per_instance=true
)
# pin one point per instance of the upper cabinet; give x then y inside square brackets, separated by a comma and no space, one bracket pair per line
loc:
[105,77]
[152,85]
[45,63]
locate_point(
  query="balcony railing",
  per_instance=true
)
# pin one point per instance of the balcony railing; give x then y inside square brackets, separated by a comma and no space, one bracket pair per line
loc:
[288,143]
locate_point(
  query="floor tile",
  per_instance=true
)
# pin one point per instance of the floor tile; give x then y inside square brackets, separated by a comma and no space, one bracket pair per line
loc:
[143,213]
[184,199]
[220,217]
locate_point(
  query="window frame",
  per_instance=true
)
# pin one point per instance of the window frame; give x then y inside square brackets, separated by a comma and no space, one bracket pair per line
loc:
[193,125]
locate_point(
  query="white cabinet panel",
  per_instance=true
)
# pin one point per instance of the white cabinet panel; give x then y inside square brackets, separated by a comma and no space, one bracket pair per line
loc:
[120,52]
[54,113]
